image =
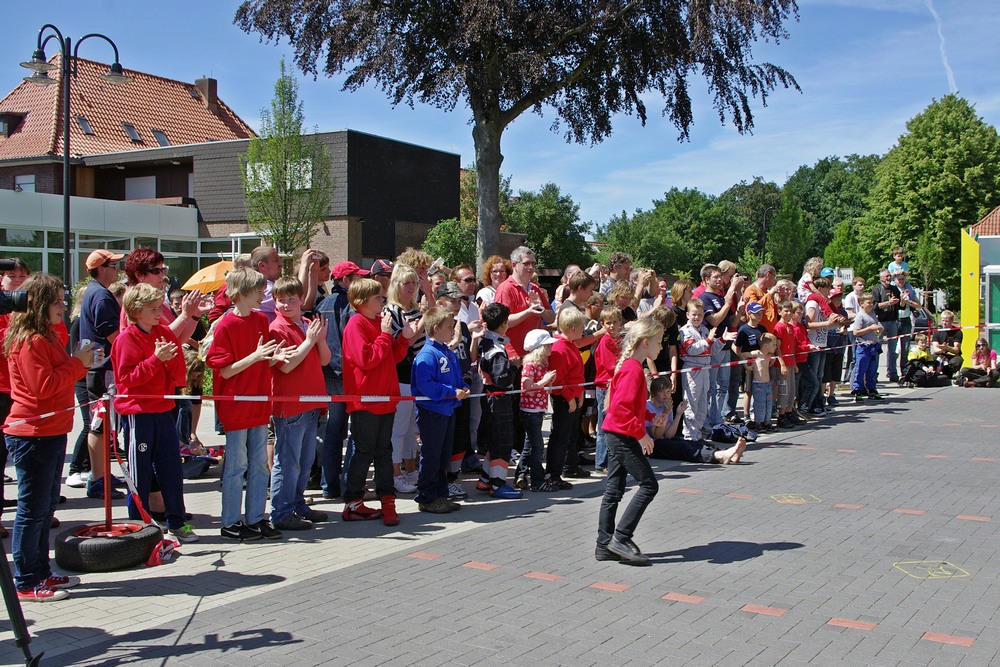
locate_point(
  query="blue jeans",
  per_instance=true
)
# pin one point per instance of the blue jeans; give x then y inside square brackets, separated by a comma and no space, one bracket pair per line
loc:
[294,453]
[625,458]
[246,453]
[331,456]
[601,452]
[531,453]
[808,384]
[904,330]
[865,368]
[437,436]
[718,388]
[39,463]
[891,329]
[763,402]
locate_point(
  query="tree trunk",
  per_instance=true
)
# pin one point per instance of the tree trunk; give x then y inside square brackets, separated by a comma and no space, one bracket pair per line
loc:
[486,135]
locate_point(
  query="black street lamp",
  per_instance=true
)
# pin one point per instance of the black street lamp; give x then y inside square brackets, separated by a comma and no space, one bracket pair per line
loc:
[41,68]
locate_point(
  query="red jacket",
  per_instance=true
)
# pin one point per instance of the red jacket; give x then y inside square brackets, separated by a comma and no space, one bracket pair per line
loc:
[236,338]
[42,375]
[139,371]
[801,343]
[370,358]
[305,380]
[627,413]
[605,358]
[566,361]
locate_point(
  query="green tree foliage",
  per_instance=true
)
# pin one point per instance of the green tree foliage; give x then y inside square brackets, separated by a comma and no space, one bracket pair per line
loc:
[831,191]
[755,204]
[454,241]
[944,174]
[286,175]
[588,61]
[684,230]
[550,221]
[843,250]
[789,241]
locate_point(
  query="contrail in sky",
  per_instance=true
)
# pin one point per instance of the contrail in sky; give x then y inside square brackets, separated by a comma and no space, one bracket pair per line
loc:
[944,55]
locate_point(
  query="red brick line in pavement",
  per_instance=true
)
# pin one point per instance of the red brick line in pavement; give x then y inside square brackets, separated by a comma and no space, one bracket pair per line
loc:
[751,608]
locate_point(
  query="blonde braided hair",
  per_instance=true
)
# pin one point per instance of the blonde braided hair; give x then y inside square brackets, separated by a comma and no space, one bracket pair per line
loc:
[642,330]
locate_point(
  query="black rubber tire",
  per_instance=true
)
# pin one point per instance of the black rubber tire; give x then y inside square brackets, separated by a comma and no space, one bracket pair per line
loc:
[105,554]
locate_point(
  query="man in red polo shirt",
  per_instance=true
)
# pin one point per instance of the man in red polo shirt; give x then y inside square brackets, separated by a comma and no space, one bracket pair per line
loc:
[528,303]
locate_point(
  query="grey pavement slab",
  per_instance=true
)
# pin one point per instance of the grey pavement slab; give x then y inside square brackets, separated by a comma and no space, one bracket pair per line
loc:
[870,538]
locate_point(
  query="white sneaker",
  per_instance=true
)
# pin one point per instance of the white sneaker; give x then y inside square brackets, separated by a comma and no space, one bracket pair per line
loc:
[455,490]
[402,486]
[411,476]
[77,480]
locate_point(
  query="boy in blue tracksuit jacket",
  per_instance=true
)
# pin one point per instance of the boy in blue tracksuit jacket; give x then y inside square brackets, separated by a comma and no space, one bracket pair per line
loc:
[437,375]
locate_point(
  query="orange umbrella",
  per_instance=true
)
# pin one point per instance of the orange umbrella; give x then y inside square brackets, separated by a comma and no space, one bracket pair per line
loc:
[210,278]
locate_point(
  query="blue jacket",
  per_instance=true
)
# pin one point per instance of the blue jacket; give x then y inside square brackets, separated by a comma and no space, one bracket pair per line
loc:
[437,375]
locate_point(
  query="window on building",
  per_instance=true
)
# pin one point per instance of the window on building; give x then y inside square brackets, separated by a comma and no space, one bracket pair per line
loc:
[140,187]
[25,183]
[132,133]
[297,177]
[161,137]
[84,124]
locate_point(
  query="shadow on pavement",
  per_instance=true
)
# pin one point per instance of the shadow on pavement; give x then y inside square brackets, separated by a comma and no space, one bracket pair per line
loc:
[722,552]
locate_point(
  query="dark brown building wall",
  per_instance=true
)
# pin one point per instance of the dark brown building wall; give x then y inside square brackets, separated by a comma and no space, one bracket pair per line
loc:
[48,177]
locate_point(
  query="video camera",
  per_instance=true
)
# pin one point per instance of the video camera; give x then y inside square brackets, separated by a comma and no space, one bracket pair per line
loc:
[12,300]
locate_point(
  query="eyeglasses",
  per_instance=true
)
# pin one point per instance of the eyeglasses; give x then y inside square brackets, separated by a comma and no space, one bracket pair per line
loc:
[980,345]
[470,279]
[158,270]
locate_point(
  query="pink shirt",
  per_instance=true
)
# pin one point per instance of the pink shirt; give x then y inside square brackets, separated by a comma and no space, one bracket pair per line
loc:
[536,400]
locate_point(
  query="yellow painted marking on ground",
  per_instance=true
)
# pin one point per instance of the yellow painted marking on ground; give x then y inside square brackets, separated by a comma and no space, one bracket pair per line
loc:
[930,569]
[795,498]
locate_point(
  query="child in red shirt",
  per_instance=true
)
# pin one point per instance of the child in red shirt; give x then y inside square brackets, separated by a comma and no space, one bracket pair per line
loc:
[370,357]
[629,444]
[786,386]
[606,355]
[295,423]
[566,361]
[240,354]
[147,360]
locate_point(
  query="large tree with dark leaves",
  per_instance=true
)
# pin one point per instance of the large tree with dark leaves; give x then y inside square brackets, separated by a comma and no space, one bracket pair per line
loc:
[586,59]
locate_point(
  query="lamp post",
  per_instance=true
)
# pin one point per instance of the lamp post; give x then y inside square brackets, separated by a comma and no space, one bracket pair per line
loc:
[41,68]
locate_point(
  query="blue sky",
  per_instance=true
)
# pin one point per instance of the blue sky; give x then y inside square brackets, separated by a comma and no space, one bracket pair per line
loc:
[865,68]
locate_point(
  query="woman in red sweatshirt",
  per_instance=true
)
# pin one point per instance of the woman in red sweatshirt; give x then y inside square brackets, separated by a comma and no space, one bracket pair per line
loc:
[42,376]
[147,361]
[628,444]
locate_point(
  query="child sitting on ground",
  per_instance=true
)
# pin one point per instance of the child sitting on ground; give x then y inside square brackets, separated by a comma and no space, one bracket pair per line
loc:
[922,368]
[665,443]
[535,376]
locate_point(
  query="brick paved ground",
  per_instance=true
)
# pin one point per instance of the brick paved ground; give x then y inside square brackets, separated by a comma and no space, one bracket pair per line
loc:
[886,554]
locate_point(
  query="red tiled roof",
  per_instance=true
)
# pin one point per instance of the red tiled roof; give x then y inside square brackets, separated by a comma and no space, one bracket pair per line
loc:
[989,225]
[148,102]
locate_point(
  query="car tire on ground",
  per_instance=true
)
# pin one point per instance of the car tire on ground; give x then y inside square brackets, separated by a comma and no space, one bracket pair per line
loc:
[82,550]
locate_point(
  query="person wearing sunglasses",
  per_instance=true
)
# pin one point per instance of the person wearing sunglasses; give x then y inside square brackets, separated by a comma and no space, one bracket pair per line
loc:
[983,372]
[145,265]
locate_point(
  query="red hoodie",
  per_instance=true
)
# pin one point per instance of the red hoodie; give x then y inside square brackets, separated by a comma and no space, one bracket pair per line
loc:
[139,371]
[236,338]
[370,358]
[566,361]
[627,413]
[305,380]
[42,375]
[605,357]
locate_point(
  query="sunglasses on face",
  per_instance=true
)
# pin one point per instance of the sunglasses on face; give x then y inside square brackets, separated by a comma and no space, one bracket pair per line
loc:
[470,279]
[159,270]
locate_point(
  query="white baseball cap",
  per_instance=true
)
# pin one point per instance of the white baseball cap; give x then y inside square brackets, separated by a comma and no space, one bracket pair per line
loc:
[535,338]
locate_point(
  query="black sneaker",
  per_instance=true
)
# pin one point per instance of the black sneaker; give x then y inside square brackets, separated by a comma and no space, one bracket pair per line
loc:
[314,516]
[292,522]
[603,553]
[240,531]
[577,473]
[267,532]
